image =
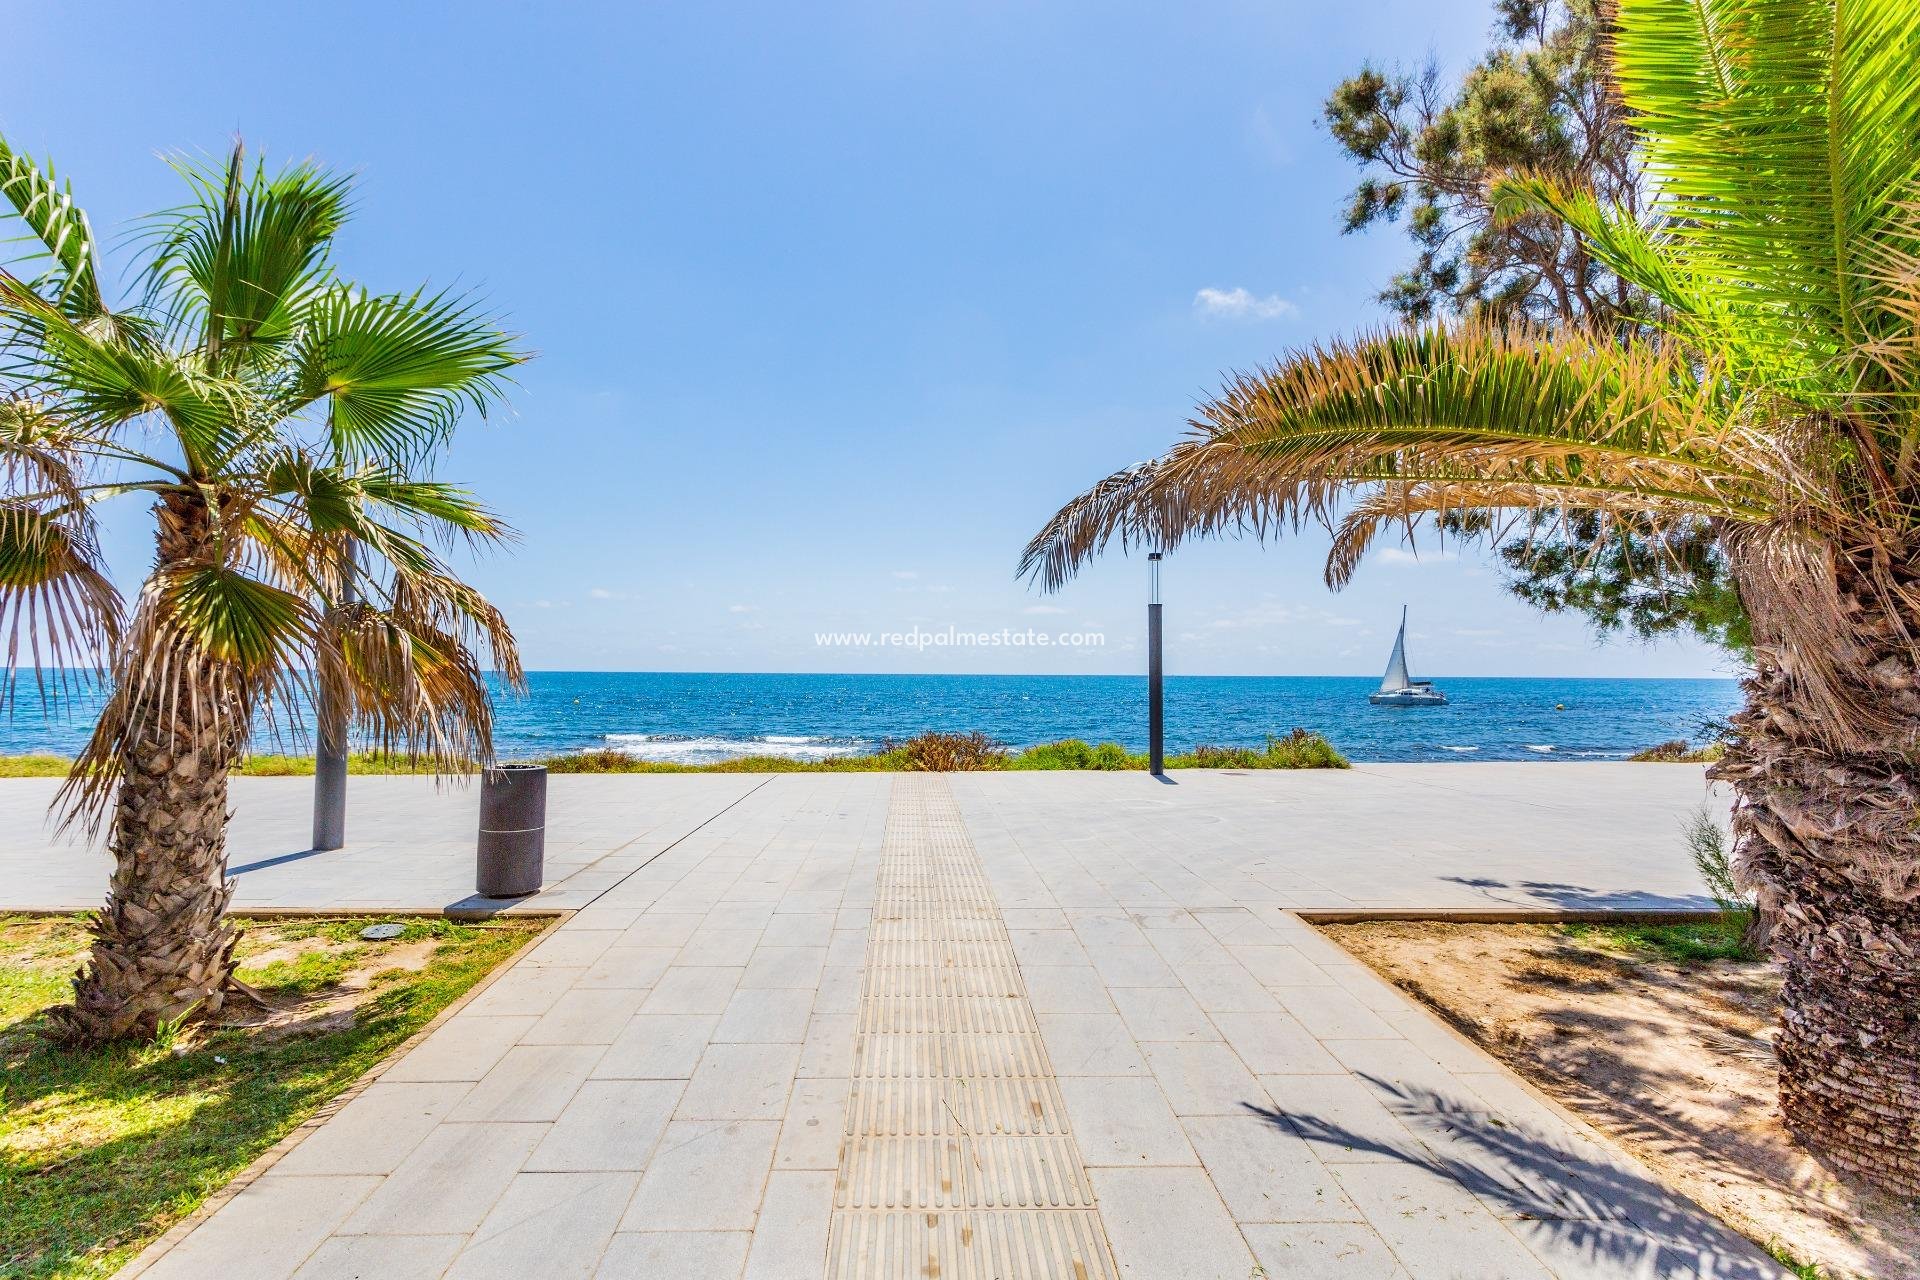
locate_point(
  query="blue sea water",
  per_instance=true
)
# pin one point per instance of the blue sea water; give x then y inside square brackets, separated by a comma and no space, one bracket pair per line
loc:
[706,717]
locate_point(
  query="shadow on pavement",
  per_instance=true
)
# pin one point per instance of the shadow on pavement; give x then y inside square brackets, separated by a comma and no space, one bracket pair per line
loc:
[1586,1211]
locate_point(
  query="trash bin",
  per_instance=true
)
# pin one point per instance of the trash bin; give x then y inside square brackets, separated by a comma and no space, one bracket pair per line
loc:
[513,831]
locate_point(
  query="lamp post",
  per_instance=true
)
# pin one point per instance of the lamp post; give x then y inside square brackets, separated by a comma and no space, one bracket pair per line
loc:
[330,745]
[1156,699]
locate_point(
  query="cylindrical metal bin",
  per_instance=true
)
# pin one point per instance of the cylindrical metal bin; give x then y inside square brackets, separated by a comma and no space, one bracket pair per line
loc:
[512,853]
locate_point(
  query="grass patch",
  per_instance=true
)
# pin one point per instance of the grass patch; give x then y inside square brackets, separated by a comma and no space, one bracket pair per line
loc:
[35,766]
[1717,938]
[927,752]
[1680,751]
[101,1151]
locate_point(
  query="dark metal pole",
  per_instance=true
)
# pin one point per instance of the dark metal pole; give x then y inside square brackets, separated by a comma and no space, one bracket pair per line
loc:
[1156,699]
[330,754]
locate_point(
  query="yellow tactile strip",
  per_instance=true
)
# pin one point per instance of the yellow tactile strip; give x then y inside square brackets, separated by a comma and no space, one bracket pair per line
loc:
[958,1163]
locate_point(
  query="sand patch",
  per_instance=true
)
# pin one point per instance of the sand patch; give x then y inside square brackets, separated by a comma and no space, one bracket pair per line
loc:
[1673,1060]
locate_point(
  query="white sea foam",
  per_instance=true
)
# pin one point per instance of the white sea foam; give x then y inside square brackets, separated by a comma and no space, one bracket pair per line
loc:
[1543,749]
[679,749]
[1462,750]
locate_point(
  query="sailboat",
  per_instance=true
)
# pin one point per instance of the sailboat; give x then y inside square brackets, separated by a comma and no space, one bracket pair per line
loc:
[1396,690]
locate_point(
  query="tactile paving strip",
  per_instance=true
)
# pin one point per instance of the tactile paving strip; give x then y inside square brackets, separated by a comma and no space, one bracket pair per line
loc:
[958,1162]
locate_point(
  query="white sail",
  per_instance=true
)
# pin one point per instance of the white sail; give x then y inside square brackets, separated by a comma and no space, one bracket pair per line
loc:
[1396,677]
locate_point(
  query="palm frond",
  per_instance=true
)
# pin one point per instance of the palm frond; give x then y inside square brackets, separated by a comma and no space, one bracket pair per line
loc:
[1566,417]
[396,369]
[53,596]
[60,229]
[412,688]
[238,262]
[1781,141]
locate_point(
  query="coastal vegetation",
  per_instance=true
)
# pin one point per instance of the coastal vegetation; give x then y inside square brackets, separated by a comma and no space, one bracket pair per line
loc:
[282,422]
[1772,392]
[929,752]
[101,1150]
[1680,751]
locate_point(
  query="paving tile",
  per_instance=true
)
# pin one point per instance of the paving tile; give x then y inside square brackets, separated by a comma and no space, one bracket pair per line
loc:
[629,967]
[1226,988]
[1066,988]
[1322,1251]
[375,1131]
[1342,1119]
[1436,1228]
[675,1255]
[1168,1224]
[1162,1013]
[1282,966]
[740,1082]
[449,1182]
[660,930]
[790,1236]
[1591,1251]
[1046,946]
[1203,1079]
[547,1224]
[295,1213]
[1265,1172]
[611,1125]
[767,1014]
[706,1175]
[525,989]
[790,967]
[1123,1120]
[1188,948]
[571,946]
[586,1016]
[1333,1013]
[464,1048]
[815,1125]
[1090,1044]
[839,990]
[379,1258]
[531,1082]
[1132,967]
[693,989]
[1275,1044]
[810,929]
[718,947]
[657,1047]
[828,1050]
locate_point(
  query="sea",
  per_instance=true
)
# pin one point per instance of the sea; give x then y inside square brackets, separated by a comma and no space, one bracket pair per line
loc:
[701,718]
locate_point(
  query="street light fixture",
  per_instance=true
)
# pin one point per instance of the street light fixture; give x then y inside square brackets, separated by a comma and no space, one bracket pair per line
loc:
[1156,698]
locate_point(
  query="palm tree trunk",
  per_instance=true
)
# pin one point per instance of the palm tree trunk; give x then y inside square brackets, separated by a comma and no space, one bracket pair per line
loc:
[1828,837]
[162,947]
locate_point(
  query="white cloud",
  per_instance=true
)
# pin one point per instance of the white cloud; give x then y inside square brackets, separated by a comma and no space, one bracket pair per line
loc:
[743,608]
[905,575]
[1238,304]
[1043,608]
[601,593]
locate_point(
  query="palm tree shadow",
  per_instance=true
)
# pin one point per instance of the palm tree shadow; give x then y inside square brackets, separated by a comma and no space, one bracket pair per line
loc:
[1557,896]
[1584,1209]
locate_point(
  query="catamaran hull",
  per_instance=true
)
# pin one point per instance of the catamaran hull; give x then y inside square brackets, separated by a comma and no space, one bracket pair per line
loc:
[1407,698]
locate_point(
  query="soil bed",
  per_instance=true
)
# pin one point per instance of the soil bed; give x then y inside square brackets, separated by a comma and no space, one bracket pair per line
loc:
[102,1151]
[1658,1036]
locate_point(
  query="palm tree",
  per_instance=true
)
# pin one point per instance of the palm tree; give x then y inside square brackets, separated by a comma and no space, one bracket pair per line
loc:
[280,421]
[1779,400]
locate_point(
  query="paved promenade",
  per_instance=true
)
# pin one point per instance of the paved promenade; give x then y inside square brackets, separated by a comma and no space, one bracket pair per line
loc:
[1449,835]
[988,1028]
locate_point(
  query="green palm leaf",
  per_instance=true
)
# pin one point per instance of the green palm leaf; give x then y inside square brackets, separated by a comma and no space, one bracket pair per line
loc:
[60,228]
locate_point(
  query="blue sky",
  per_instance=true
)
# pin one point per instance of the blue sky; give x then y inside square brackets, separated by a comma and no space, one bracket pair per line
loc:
[834,303]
